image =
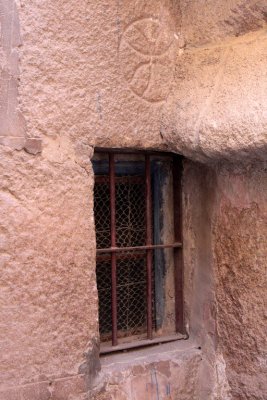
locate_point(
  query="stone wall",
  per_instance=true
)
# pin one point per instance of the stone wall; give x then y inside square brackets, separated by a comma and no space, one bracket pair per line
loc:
[12,128]
[184,76]
[48,290]
[240,254]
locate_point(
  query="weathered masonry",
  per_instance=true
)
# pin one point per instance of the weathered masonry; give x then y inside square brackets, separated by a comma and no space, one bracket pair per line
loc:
[133,139]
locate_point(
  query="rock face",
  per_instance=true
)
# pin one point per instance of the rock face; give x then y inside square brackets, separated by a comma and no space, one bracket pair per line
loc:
[218,108]
[213,21]
[45,272]
[184,76]
[107,61]
[240,248]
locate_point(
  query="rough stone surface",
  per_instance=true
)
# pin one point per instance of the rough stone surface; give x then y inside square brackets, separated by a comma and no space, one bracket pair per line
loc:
[191,98]
[206,21]
[240,250]
[186,76]
[218,105]
[33,146]
[46,220]
[88,71]
[167,374]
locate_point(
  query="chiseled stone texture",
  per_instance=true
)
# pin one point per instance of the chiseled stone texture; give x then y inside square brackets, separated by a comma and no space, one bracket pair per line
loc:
[186,76]
[72,387]
[218,105]
[97,70]
[162,74]
[207,21]
[240,255]
[48,297]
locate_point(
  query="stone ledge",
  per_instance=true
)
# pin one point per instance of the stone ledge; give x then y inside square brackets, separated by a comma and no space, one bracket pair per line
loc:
[179,349]
[168,371]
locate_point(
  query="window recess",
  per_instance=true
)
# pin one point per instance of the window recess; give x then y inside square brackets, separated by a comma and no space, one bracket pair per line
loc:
[139,266]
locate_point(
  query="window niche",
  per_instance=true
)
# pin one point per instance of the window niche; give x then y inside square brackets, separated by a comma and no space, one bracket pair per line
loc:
[139,266]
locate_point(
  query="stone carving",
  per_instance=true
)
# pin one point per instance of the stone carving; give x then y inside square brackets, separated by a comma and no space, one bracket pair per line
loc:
[146,54]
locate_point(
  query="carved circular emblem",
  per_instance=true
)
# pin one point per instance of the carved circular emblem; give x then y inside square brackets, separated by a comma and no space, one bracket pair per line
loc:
[146,54]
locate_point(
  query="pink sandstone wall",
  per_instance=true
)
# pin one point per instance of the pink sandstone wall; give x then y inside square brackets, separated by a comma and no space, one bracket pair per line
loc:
[184,76]
[240,263]
[12,128]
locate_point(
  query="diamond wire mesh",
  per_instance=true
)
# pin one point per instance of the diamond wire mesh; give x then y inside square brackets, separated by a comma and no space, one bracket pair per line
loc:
[131,295]
[130,211]
[131,292]
[131,266]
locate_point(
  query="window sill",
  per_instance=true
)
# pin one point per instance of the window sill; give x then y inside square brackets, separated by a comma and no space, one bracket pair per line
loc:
[178,349]
[106,348]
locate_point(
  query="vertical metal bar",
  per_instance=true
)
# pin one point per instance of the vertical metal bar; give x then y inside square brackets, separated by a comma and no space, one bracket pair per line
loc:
[112,189]
[178,256]
[148,242]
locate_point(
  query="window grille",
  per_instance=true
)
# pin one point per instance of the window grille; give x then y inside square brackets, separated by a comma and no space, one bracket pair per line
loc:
[126,252]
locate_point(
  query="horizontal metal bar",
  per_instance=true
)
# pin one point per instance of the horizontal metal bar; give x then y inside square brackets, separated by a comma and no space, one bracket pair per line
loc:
[147,247]
[106,348]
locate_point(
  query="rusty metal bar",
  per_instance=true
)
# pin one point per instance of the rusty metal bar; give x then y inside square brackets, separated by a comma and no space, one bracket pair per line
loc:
[147,247]
[178,256]
[148,243]
[112,189]
[105,348]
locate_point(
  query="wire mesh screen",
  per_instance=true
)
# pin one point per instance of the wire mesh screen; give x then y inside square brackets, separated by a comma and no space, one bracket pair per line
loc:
[131,265]
[131,294]
[130,211]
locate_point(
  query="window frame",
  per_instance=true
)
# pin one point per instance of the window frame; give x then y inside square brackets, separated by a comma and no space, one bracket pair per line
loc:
[149,247]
